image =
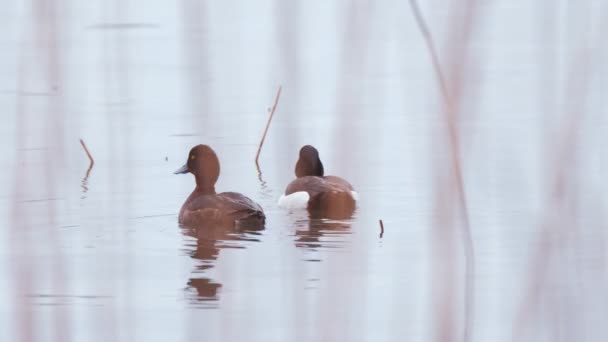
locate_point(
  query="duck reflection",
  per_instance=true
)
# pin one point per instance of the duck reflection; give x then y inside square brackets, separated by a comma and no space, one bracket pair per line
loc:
[210,240]
[313,233]
[206,289]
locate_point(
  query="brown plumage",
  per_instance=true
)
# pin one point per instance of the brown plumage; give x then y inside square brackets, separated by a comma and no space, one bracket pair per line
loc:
[206,207]
[329,196]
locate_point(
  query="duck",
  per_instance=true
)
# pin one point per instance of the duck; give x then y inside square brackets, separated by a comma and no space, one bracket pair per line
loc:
[205,207]
[323,196]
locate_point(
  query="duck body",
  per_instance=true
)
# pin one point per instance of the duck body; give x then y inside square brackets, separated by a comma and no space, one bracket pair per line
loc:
[323,196]
[205,207]
[223,209]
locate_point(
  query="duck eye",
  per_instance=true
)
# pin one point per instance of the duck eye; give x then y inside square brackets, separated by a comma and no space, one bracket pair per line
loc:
[192,157]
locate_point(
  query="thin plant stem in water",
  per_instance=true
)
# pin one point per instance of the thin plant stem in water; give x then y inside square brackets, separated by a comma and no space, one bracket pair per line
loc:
[84,182]
[86,150]
[274,107]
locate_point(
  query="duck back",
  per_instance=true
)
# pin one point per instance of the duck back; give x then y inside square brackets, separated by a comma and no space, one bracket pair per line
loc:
[332,204]
[225,209]
[315,185]
[328,196]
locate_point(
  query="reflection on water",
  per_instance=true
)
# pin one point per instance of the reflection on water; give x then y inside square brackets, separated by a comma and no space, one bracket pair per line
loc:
[314,235]
[84,184]
[59,299]
[321,233]
[205,292]
[122,26]
[101,258]
[209,241]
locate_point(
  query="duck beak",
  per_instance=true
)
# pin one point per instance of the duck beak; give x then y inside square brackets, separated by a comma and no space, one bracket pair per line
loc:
[183,169]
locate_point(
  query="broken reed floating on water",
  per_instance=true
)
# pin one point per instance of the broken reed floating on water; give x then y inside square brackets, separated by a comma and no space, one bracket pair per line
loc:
[84,146]
[274,107]
[381,228]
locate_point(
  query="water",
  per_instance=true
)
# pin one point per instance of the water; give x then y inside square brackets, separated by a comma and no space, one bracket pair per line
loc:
[98,255]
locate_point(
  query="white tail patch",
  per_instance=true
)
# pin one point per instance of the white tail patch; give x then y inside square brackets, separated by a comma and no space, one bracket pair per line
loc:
[355,195]
[295,200]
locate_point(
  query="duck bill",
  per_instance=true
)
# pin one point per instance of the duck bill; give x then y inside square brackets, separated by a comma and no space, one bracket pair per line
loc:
[181,170]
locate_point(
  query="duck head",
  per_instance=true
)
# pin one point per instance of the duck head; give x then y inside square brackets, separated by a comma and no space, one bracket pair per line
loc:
[204,165]
[309,163]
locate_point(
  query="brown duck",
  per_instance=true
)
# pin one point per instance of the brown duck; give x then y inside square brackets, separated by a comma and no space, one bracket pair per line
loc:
[323,196]
[206,207]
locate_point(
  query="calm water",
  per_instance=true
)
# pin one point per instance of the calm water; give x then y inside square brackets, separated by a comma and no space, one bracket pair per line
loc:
[101,257]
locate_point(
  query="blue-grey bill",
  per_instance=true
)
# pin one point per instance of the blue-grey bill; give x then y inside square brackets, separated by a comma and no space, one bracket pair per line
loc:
[183,169]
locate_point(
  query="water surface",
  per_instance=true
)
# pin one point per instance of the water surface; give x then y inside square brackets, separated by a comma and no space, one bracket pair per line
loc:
[98,255]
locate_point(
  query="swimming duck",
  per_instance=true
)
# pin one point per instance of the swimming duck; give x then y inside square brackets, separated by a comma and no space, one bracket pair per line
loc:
[206,207]
[323,196]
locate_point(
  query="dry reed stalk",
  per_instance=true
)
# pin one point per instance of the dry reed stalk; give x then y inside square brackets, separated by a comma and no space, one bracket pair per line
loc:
[274,107]
[44,30]
[49,29]
[558,198]
[381,228]
[456,51]
[428,39]
[91,163]
[86,150]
